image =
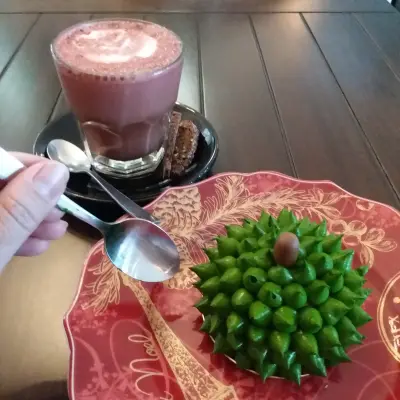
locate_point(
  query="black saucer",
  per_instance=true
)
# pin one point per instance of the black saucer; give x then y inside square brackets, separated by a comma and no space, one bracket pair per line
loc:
[142,190]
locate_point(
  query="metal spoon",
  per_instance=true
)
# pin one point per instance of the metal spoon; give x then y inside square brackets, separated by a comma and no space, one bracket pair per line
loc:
[77,161]
[137,247]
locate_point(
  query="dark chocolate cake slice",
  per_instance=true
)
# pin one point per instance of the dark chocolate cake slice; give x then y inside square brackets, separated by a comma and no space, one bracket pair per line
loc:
[171,141]
[185,147]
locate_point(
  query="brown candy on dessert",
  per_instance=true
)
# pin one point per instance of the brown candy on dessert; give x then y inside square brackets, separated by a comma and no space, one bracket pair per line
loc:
[185,148]
[171,141]
[286,249]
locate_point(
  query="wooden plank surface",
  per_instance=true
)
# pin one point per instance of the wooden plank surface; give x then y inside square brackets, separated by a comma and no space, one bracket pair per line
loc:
[29,87]
[237,99]
[35,293]
[60,108]
[370,86]
[144,6]
[13,30]
[384,30]
[324,137]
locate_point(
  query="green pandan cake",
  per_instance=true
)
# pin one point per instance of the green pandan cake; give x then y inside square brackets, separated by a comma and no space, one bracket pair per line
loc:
[280,296]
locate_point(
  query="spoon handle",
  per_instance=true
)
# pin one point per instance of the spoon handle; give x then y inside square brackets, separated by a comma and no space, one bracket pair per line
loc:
[70,207]
[123,201]
[9,165]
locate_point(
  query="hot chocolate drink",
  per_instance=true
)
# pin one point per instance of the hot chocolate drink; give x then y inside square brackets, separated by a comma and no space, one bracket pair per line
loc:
[121,78]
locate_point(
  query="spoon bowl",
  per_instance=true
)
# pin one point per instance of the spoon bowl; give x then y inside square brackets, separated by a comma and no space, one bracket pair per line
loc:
[137,247]
[142,250]
[77,161]
[68,154]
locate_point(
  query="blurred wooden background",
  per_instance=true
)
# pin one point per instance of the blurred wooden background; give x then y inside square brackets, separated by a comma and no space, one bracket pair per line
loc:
[194,5]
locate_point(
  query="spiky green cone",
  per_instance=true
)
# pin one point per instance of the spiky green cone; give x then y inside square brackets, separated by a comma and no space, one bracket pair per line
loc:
[282,320]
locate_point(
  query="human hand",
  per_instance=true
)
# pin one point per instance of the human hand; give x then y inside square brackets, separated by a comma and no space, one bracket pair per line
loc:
[28,217]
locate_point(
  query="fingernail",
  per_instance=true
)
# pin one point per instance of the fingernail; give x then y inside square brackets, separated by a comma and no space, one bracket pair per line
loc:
[51,179]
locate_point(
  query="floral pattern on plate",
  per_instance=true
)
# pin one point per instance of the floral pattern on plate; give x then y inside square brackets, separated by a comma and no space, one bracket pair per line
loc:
[141,341]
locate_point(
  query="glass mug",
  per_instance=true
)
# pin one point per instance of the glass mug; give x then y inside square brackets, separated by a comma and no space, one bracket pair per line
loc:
[121,78]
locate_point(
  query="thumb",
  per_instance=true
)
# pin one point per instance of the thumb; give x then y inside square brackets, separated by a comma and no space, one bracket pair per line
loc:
[26,201]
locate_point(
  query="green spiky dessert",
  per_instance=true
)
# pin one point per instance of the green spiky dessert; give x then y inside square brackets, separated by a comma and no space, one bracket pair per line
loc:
[280,296]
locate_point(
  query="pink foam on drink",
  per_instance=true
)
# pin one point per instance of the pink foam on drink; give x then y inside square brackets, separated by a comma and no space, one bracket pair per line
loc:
[122,48]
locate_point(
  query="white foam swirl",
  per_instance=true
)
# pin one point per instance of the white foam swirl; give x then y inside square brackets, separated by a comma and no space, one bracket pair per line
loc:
[111,46]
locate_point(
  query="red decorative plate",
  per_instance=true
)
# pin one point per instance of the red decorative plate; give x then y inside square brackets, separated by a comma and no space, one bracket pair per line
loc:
[138,341]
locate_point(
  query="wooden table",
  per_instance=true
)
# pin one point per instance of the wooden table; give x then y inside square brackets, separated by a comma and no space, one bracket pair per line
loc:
[308,88]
